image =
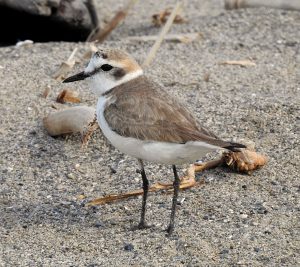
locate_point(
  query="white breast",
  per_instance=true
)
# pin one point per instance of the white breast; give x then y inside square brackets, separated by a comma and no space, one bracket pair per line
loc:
[159,152]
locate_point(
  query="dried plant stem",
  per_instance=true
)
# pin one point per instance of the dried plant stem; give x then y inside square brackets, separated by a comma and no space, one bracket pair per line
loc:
[101,35]
[90,4]
[162,34]
[281,4]
[65,66]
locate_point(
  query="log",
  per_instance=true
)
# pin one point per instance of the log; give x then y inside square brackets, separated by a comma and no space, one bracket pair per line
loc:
[280,4]
[74,13]
[68,121]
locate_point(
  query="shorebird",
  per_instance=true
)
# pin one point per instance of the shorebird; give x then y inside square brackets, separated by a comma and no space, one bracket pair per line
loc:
[141,119]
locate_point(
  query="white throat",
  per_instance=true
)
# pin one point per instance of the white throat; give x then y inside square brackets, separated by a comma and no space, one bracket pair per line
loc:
[99,85]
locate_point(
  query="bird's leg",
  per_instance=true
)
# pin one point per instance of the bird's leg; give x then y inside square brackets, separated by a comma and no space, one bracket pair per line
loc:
[145,189]
[174,202]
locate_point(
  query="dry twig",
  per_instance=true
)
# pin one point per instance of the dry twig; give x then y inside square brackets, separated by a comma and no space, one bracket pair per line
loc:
[101,35]
[243,63]
[281,4]
[161,17]
[162,34]
[65,66]
[46,92]
[246,161]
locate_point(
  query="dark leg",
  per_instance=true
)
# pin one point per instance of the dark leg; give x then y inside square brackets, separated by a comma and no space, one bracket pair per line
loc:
[174,202]
[145,189]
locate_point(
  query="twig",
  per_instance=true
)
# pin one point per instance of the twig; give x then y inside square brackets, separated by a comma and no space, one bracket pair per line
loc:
[281,4]
[242,63]
[93,13]
[101,35]
[186,182]
[65,66]
[162,34]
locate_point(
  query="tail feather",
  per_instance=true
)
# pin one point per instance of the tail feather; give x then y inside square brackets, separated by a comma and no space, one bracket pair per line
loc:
[234,147]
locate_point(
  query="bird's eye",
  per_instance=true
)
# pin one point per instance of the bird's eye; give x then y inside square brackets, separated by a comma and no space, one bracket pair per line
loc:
[106,67]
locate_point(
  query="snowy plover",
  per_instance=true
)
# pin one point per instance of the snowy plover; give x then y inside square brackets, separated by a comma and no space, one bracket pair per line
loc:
[142,120]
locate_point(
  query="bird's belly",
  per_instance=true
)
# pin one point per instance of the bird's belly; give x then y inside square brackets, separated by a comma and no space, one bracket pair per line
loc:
[154,151]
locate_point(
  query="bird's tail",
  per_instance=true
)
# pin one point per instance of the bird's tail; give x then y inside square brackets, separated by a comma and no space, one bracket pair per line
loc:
[234,147]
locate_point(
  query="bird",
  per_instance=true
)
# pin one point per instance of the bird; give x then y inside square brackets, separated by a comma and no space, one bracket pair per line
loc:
[141,119]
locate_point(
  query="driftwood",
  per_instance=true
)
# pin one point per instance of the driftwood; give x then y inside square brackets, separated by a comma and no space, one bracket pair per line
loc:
[246,161]
[70,120]
[72,14]
[280,4]
[101,35]
[242,63]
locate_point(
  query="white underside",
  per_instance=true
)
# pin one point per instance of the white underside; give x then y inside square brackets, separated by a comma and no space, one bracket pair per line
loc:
[159,152]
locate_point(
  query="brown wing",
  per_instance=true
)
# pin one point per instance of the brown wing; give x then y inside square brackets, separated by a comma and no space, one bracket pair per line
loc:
[145,111]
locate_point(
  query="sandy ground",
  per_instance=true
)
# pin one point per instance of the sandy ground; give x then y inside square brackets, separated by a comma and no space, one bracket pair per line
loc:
[233,220]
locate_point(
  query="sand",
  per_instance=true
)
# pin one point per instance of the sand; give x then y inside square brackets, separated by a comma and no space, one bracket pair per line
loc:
[232,220]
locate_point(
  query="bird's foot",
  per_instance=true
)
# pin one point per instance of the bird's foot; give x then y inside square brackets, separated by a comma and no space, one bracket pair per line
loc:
[169,230]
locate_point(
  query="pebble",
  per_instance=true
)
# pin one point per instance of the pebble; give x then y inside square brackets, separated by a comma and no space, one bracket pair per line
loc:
[71,176]
[243,216]
[128,247]
[99,224]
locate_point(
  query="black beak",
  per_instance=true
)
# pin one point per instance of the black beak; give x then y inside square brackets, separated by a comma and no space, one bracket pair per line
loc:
[77,77]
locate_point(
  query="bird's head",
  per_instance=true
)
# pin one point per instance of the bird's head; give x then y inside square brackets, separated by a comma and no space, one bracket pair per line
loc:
[107,69]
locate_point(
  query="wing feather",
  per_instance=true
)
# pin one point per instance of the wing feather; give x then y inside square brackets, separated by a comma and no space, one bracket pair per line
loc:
[145,111]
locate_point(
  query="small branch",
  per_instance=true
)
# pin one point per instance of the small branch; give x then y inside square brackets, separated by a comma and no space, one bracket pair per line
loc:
[65,66]
[242,63]
[280,4]
[162,34]
[90,4]
[101,35]
[70,120]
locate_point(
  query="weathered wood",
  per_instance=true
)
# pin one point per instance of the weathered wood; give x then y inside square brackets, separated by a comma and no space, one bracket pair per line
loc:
[74,13]
[280,4]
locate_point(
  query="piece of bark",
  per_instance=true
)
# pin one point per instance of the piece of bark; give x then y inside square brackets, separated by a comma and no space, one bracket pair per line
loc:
[73,13]
[67,95]
[88,131]
[160,18]
[280,4]
[68,121]
[245,161]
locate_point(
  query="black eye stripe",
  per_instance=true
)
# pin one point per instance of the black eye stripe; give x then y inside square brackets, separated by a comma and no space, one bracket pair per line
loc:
[106,67]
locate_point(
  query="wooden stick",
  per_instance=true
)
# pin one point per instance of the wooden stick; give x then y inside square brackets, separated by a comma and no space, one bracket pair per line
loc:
[90,4]
[162,34]
[280,4]
[65,66]
[101,35]
[242,63]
